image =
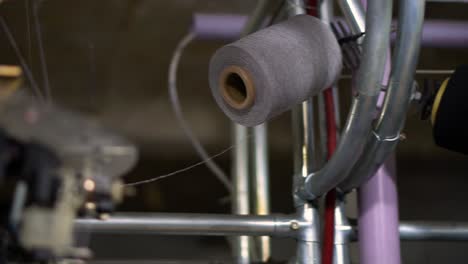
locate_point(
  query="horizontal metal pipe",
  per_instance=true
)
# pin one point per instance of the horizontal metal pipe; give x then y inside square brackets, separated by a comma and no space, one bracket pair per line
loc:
[436,32]
[253,225]
[420,231]
[444,34]
[427,231]
[449,1]
[195,224]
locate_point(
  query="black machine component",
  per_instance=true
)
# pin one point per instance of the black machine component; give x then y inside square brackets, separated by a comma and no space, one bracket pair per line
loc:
[446,105]
[28,177]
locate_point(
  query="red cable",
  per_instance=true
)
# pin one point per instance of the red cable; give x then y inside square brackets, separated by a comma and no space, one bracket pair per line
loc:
[312,8]
[329,229]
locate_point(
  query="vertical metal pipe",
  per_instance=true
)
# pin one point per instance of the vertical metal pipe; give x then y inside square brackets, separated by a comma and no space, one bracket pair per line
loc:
[359,123]
[378,218]
[378,208]
[240,195]
[242,245]
[354,14]
[325,13]
[308,242]
[342,237]
[302,125]
[386,132]
[341,241]
[308,251]
[260,179]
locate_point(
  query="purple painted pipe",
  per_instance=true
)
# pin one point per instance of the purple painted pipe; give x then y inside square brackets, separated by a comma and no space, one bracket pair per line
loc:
[379,240]
[218,26]
[445,33]
[378,222]
[436,33]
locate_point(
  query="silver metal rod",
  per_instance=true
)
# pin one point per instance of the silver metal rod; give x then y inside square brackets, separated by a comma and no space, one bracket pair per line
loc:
[420,231]
[354,14]
[302,127]
[385,135]
[261,186]
[308,246]
[341,243]
[359,123]
[427,71]
[240,196]
[418,72]
[271,225]
[242,245]
[449,1]
[427,231]
[308,239]
[341,240]
[193,224]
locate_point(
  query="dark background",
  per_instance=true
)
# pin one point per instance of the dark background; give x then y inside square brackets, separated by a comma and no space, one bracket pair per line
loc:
[109,60]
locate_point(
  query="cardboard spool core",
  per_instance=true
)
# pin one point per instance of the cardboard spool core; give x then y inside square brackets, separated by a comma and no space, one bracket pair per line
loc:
[237,87]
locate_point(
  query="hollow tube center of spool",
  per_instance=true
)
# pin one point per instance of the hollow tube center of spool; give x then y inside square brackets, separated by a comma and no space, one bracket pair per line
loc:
[237,87]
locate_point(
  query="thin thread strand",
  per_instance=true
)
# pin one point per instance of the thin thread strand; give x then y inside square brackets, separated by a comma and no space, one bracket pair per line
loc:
[42,57]
[160,177]
[26,70]
[175,103]
[28,32]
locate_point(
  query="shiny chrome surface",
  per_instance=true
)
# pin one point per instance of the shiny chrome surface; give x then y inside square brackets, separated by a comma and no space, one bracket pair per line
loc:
[302,126]
[424,231]
[397,100]
[191,224]
[242,246]
[449,1]
[272,225]
[261,185]
[308,238]
[341,240]
[241,191]
[358,125]
[354,14]
[308,245]
[433,231]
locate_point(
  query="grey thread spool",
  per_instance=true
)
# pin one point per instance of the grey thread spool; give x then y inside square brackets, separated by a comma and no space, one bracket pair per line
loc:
[266,73]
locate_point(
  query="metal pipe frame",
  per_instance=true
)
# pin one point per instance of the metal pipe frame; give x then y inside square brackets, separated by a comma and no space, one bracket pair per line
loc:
[423,231]
[354,14]
[341,240]
[241,190]
[341,243]
[242,246]
[195,224]
[304,225]
[308,243]
[286,226]
[449,1]
[359,124]
[386,133]
[261,186]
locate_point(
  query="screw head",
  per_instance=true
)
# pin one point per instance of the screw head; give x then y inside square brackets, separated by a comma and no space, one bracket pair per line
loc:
[294,225]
